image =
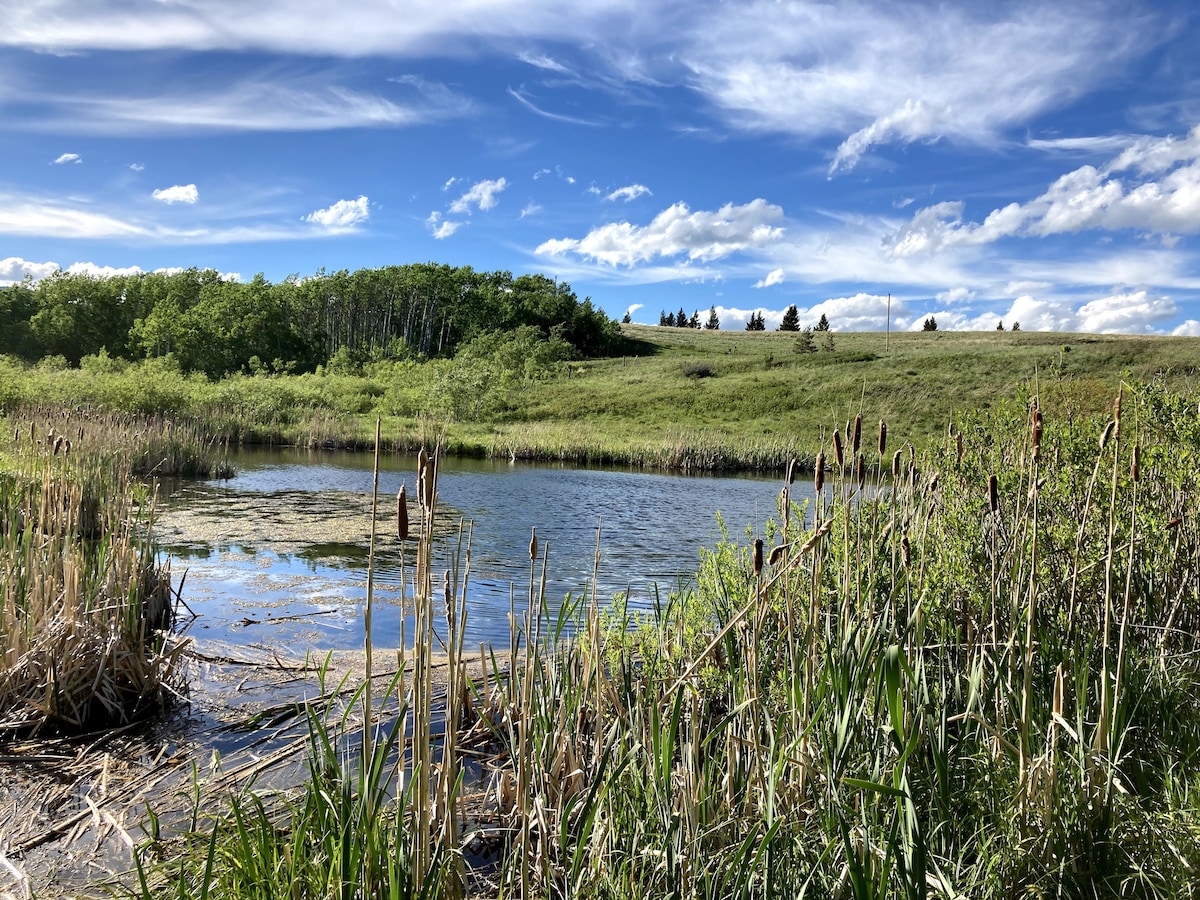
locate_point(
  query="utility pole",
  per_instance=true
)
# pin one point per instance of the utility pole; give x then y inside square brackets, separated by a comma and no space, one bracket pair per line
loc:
[887,334]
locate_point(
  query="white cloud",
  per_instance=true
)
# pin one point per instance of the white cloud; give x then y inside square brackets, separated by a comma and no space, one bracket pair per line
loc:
[179,193]
[539,173]
[530,209]
[629,192]
[1087,198]
[482,195]
[14,269]
[541,61]
[137,167]
[700,235]
[593,190]
[774,277]
[955,295]
[450,182]
[634,307]
[52,218]
[445,229]
[1190,328]
[343,215]
[67,158]
[95,271]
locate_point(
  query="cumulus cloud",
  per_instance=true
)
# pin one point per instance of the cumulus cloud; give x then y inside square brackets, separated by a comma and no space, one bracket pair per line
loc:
[1190,328]
[137,167]
[701,235]
[14,270]
[629,192]
[482,195]
[343,215]
[530,209]
[179,193]
[1160,194]
[773,277]
[67,158]
[450,182]
[441,228]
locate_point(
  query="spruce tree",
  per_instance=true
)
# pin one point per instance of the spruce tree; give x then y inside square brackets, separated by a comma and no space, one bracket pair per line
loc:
[713,322]
[791,319]
[823,325]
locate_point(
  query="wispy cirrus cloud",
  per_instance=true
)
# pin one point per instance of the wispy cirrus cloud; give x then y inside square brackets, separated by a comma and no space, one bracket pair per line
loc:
[67,158]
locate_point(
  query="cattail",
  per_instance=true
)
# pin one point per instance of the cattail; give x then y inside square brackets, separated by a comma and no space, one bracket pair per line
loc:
[862,471]
[533,544]
[819,472]
[758,556]
[402,514]
[1117,416]
[993,495]
[58,444]
[1107,433]
[777,555]
[448,597]
[906,549]
[81,432]
[791,471]
[896,465]
[837,451]
[1036,433]
[882,437]
[857,433]
[1135,467]
[959,441]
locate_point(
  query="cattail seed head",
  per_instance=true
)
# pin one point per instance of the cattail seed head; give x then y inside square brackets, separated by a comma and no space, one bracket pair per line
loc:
[1107,433]
[896,465]
[862,471]
[959,442]
[1135,467]
[533,547]
[882,437]
[1036,434]
[402,514]
[758,556]
[819,472]
[1117,416]
[906,549]
[993,495]
[838,457]
[857,434]
[791,471]
[777,555]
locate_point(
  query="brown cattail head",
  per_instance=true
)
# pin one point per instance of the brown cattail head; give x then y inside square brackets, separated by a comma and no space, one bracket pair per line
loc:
[1107,433]
[758,556]
[532,544]
[862,471]
[958,438]
[857,434]
[777,555]
[882,437]
[819,472]
[993,495]
[1135,467]
[896,465]
[1036,433]
[448,598]
[906,549]
[402,514]
[838,456]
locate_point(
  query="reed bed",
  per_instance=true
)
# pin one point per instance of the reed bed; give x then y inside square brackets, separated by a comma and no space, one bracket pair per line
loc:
[971,672]
[84,606]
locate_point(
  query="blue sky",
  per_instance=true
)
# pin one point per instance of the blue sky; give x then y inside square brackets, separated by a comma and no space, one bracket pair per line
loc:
[1018,161]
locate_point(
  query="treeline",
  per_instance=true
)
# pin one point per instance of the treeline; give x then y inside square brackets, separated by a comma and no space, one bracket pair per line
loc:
[216,326]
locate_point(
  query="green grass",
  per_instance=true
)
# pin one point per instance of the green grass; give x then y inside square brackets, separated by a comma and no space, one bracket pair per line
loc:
[679,398]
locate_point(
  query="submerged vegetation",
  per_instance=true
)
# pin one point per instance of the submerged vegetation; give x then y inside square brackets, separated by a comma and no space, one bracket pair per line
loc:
[970,671]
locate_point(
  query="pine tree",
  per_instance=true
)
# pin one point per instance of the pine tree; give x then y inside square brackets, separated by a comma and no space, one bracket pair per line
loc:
[804,341]
[1000,325]
[681,320]
[670,321]
[823,325]
[713,322]
[791,319]
[626,320]
[827,341]
[694,321]
[662,319]
[1016,326]
[930,324]
[756,322]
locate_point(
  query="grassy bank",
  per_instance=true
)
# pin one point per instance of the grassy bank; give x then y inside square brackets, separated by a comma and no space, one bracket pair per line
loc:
[680,398]
[981,682]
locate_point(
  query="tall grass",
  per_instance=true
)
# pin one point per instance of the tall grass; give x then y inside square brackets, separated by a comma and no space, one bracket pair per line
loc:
[966,673]
[83,603]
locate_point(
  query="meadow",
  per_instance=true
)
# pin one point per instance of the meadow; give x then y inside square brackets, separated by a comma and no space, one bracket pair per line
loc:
[677,398]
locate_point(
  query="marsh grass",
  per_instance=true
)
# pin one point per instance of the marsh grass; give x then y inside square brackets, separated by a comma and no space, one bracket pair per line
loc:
[84,607]
[970,672]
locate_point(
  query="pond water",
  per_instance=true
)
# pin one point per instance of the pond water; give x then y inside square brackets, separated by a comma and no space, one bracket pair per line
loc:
[276,557]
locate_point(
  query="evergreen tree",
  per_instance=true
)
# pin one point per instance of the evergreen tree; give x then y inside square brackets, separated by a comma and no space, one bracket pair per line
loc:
[626,320]
[930,324]
[681,320]
[756,322]
[670,322]
[713,322]
[804,341]
[1000,325]
[694,321]
[791,319]
[827,341]
[822,325]
[1016,326]
[662,319]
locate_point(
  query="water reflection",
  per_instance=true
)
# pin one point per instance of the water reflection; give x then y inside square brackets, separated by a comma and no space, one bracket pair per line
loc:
[277,555]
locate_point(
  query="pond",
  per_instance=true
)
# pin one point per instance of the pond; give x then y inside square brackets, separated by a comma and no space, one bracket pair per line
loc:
[276,557]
